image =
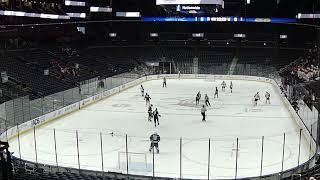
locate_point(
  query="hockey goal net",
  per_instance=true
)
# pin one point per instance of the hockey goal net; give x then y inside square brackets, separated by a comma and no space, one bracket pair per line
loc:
[136,161]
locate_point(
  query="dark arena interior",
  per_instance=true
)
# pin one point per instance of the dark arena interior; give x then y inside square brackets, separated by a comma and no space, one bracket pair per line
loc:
[84,84]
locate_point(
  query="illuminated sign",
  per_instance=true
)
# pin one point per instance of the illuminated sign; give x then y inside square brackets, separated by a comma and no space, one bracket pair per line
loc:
[100,9]
[308,16]
[112,34]
[154,34]
[174,2]
[128,14]
[239,35]
[77,15]
[284,36]
[74,3]
[198,35]
[190,7]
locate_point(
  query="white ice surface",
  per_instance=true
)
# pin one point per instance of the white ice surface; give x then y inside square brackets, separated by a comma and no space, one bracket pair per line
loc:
[231,116]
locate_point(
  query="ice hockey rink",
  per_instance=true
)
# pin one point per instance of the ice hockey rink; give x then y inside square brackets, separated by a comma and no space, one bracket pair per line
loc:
[103,126]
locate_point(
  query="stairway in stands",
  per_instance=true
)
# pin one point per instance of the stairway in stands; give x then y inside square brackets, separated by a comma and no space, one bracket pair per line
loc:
[233,66]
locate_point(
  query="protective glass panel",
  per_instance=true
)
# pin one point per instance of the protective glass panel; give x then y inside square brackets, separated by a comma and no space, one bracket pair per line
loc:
[58,100]
[36,108]
[89,149]
[224,155]
[114,148]
[249,156]
[139,159]
[272,156]
[67,147]
[45,146]
[48,103]
[167,161]
[68,97]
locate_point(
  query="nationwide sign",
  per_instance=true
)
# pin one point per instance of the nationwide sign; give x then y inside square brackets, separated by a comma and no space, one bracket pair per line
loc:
[174,2]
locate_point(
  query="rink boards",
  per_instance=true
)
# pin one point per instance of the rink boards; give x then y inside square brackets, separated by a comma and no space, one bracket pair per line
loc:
[12,132]
[37,122]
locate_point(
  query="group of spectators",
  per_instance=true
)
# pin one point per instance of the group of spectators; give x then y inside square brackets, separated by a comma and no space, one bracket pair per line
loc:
[307,68]
[64,69]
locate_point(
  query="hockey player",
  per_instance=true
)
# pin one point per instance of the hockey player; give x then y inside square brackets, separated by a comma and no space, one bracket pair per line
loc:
[256,99]
[267,95]
[206,98]
[198,97]
[223,84]
[203,113]
[156,116]
[179,75]
[164,84]
[142,90]
[150,112]
[231,87]
[216,93]
[155,139]
[147,98]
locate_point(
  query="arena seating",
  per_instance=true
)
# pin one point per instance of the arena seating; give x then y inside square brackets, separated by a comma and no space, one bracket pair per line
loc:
[26,69]
[31,76]
[218,64]
[68,66]
[24,170]
[4,95]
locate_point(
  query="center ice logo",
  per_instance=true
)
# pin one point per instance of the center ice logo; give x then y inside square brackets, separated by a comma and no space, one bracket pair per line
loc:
[187,103]
[217,104]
